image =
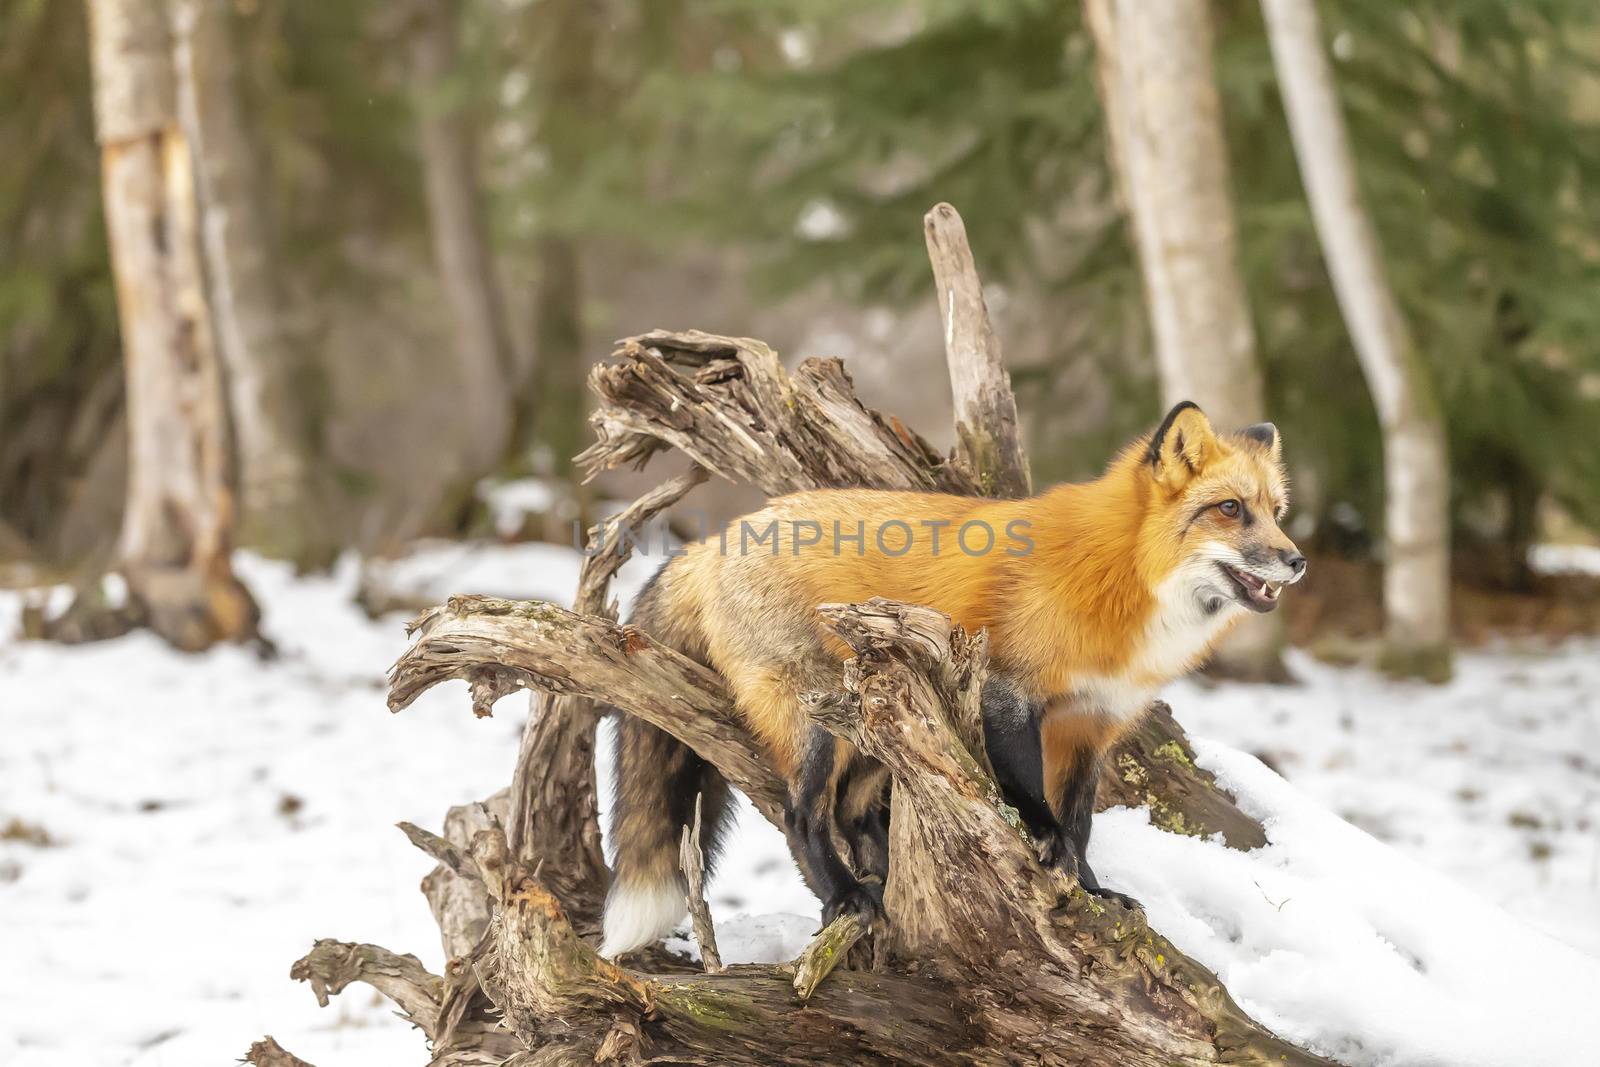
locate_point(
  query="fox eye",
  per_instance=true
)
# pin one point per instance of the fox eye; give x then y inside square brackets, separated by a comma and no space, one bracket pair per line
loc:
[1230,508]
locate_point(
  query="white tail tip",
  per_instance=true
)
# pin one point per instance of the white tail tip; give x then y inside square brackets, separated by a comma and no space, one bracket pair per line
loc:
[637,915]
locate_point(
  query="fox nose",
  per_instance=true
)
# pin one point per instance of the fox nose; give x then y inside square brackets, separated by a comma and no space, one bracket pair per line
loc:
[1295,561]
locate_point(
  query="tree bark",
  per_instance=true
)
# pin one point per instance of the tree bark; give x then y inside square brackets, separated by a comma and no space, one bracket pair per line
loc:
[988,437]
[1164,115]
[177,530]
[274,389]
[1416,579]
[461,245]
[1020,963]
[728,404]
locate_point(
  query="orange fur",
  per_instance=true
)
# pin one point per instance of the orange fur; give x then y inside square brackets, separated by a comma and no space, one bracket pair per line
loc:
[1079,605]
[1064,732]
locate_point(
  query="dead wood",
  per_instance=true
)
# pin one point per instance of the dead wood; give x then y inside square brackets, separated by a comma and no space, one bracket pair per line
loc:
[728,404]
[988,435]
[1011,943]
[501,646]
[693,864]
[825,953]
[554,989]
[454,893]
[1153,767]
[330,966]
[268,1053]
[987,956]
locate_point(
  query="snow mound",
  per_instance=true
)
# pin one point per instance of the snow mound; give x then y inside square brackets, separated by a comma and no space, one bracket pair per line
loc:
[1340,943]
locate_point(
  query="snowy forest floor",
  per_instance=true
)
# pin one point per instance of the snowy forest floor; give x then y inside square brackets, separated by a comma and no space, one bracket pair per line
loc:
[175,830]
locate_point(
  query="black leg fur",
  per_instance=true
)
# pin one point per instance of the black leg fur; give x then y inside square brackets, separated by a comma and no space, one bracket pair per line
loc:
[811,822]
[862,811]
[1011,738]
[1077,819]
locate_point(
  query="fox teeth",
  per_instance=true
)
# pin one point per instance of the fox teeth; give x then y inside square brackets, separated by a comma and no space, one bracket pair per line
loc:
[1272,589]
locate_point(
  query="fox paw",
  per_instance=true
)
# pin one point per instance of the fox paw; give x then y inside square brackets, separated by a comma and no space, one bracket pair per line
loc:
[864,901]
[1059,852]
[1111,894]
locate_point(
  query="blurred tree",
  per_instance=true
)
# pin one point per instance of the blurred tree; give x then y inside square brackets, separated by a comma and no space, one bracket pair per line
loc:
[562,107]
[1416,464]
[578,173]
[1164,119]
[61,439]
[1165,129]
[178,524]
[1476,159]
[270,373]
[451,177]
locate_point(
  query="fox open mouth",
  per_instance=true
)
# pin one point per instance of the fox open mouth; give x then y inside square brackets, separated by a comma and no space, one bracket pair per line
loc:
[1258,593]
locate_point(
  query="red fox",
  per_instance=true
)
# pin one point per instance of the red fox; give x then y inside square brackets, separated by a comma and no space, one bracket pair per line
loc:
[1095,595]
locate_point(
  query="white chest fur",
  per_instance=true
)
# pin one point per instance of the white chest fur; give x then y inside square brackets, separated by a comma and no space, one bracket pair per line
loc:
[1179,633]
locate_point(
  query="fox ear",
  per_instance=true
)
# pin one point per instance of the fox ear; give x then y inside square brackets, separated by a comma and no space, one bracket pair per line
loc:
[1265,435]
[1181,446]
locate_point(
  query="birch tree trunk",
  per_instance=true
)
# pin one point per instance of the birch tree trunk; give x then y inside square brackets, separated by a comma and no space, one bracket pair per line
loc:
[271,385]
[1416,579]
[1159,91]
[460,237]
[178,525]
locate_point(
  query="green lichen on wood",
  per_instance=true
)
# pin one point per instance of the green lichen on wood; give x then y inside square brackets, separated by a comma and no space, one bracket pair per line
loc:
[1169,818]
[1171,750]
[714,1008]
[1131,771]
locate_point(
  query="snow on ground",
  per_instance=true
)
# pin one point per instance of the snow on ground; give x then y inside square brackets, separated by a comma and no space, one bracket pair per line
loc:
[1347,946]
[209,816]
[1493,779]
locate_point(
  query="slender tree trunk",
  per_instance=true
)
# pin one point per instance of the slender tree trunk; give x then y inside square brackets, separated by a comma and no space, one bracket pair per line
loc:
[1158,85]
[460,236]
[559,401]
[272,386]
[553,405]
[178,527]
[1416,580]
[564,36]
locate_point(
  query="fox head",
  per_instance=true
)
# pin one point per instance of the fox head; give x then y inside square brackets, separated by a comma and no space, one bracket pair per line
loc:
[1214,505]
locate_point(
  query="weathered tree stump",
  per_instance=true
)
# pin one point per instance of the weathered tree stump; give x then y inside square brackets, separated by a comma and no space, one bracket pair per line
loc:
[987,956]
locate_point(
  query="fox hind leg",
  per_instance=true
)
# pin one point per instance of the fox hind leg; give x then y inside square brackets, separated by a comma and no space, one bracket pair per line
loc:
[812,818]
[863,816]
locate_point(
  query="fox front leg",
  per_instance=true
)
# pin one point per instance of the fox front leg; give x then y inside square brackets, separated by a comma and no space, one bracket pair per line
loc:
[1077,816]
[1011,738]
